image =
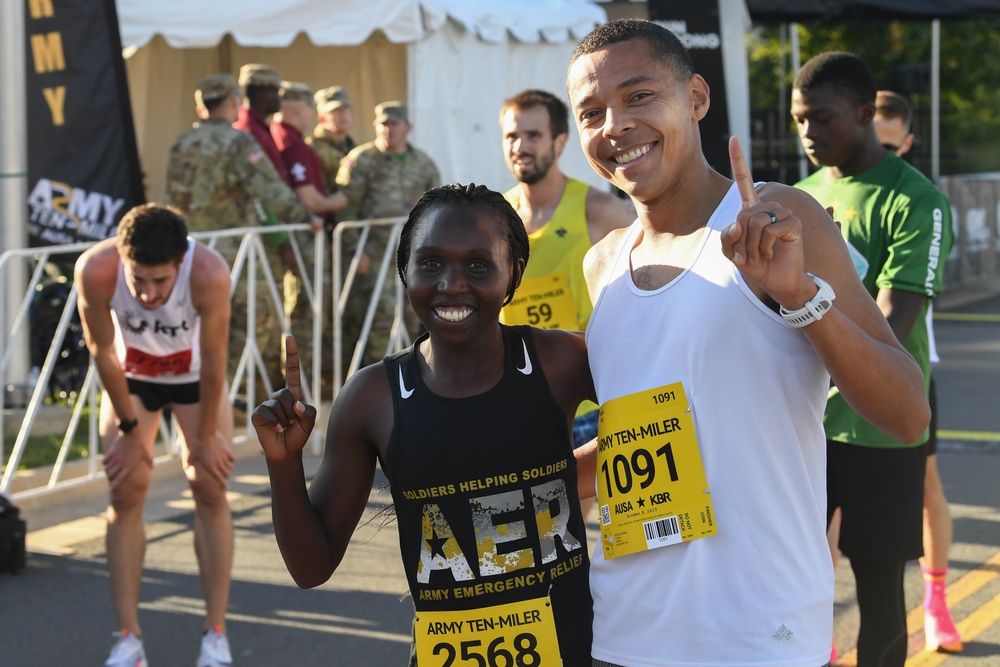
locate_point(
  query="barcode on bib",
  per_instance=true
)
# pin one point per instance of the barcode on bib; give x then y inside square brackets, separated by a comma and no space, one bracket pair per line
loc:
[662,532]
[605,515]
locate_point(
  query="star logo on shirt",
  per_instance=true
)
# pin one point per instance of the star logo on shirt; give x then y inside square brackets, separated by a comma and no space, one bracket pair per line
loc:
[850,213]
[436,544]
[298,172]
[561,232]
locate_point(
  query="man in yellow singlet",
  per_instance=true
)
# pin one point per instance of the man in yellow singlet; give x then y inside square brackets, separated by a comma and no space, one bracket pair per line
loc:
[563,216]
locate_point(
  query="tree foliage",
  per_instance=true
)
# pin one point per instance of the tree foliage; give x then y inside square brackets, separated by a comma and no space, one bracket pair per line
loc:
[899,53]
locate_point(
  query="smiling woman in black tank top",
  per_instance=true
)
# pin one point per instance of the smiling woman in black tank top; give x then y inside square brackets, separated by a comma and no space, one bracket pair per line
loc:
[472,427]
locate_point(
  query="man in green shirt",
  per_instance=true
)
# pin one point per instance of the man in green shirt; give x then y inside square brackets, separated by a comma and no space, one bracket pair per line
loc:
[899,229]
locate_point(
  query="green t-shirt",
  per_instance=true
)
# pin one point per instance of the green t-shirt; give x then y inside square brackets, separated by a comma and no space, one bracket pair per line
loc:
[899,228]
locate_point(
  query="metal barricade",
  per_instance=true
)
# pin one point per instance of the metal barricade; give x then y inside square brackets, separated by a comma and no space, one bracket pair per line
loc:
[249,265]
[344,278]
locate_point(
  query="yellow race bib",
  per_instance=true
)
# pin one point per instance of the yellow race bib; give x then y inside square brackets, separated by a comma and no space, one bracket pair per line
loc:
[651,486]
[543,302]
[519,633]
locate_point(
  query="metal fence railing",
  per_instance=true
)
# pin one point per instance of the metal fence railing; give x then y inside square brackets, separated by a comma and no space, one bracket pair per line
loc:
[358,269]
[46,266]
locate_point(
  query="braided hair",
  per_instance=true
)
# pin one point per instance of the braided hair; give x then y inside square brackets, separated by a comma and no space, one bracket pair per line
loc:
[471,195]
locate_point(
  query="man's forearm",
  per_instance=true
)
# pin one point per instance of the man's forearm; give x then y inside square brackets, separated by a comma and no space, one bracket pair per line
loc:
[210,386]
[115,384]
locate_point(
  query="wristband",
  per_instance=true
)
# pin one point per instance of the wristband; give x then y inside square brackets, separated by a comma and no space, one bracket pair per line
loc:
[815,308]
[127,425]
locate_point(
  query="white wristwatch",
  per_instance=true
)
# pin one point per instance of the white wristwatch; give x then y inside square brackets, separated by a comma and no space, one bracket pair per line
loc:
[815,308]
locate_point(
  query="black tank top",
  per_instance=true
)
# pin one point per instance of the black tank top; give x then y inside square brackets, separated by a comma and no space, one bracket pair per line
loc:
[485,495]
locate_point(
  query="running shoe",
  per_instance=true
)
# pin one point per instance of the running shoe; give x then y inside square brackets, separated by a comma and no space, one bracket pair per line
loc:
[127,651]
[940,632]
[215,649]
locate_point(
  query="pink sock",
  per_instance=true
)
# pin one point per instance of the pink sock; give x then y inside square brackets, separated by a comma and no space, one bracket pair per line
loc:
[934,582]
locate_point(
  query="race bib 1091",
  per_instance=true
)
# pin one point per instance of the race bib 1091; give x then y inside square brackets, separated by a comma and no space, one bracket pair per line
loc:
[651,485]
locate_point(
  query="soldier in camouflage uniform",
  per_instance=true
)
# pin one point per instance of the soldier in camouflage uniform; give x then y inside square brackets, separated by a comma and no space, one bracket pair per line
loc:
[330,138]
[219,177]
[383,178]
[289,127]
[331,141]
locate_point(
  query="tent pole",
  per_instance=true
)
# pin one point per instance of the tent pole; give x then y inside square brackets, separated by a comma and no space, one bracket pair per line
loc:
[936,101]
[13,178]
[793,34]
[782,120]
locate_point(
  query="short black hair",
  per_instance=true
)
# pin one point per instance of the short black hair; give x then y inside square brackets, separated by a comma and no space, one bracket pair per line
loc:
[666,47]
[844,71]
[533,97]
[152,235]
[471,195]
[213,104]
[254,92]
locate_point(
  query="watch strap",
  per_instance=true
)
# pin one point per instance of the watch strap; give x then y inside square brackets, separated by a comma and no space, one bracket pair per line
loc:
[127,425]
[815,308]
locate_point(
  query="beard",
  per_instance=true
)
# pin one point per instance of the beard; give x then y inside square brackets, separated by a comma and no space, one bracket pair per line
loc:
[543,163]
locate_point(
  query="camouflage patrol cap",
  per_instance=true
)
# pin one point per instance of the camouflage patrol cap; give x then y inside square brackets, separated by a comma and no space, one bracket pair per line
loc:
[214,87]
[391,112]
[332,98]
[255,74]
[297,92]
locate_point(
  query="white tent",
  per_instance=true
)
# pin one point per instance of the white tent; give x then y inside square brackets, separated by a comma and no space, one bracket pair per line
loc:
[452,61]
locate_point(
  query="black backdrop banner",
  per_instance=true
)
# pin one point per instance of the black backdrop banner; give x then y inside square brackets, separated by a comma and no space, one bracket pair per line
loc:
[83,164]
[696,24]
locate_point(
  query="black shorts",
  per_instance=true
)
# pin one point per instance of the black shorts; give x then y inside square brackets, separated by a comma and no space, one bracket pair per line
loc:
[155,395]
[881,496]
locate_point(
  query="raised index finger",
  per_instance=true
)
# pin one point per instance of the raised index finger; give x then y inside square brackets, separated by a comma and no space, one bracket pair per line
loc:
[292,367]
[741,174]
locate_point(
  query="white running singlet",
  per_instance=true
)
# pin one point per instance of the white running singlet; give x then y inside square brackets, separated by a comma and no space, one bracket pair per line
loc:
[159,345]
[760,592]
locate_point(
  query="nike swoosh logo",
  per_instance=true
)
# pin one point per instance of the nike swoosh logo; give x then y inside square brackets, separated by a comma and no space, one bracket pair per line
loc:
[527,360]
[403,391]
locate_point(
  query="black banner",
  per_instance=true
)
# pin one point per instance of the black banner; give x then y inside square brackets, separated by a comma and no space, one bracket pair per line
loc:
[83,164]
[696,24]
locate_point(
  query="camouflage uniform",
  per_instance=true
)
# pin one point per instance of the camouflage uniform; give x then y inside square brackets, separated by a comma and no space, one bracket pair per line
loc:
[378,185]
[330,152]
[220,177]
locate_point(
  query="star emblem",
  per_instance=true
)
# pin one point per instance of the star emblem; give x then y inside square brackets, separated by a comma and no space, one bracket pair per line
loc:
[642,501]
[436,544]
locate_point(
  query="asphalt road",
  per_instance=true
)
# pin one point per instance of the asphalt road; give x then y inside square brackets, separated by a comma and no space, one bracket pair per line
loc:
[59,609]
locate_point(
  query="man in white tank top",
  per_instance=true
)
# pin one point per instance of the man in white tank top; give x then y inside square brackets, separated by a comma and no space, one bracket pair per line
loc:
[155,309]
[720,318]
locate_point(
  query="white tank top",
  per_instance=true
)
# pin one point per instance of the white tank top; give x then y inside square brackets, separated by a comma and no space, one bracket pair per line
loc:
[159,345]
[760,592]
